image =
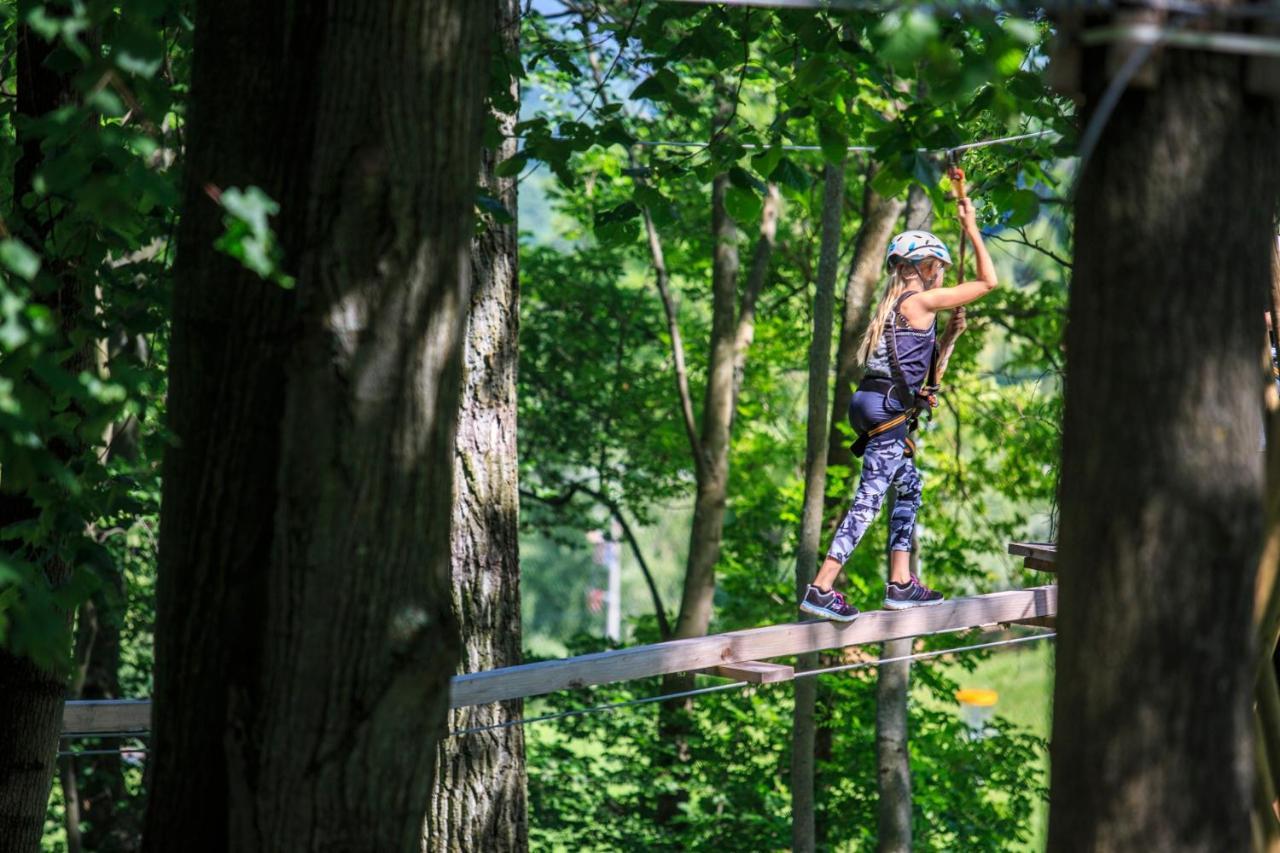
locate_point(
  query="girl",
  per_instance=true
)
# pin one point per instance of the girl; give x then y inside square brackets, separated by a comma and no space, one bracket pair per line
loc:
[898,348]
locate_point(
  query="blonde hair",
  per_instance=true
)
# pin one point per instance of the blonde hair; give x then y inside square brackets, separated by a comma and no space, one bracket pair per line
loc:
[875,329]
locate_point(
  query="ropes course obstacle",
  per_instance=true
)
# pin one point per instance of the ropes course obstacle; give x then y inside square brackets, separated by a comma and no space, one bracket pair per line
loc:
[740,655]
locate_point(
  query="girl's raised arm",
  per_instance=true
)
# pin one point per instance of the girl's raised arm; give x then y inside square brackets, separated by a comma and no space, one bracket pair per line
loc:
[945,298]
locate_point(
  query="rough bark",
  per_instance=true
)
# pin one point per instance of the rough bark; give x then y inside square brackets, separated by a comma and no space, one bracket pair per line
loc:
[893,754]
[304,636]
[815,483]
[1152,744]
[31,711]
[478,802]
[866,270]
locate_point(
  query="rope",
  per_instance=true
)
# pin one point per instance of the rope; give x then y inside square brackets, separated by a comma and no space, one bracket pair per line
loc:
[808,673]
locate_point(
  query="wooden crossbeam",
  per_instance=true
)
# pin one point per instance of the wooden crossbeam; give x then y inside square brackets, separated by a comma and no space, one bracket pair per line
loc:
[756,672]
[97,716]
[1041,556]
[735,652]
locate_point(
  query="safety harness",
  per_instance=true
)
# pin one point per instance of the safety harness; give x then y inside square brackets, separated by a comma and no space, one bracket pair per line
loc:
[915,401]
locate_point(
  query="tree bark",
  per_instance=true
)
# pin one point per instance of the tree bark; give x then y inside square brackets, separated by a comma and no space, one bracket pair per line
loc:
[1152,743]
[304,637]
[893,746]
[31,711]
[815,484]
[478,802]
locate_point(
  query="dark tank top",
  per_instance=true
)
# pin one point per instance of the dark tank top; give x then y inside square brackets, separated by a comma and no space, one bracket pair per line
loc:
[914,347]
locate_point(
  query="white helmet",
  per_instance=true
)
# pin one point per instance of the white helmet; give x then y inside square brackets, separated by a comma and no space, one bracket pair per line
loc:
[916,246]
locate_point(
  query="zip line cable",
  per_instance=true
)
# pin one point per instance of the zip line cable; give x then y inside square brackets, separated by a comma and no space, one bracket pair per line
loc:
[808,673]
[577,712]
[752,146]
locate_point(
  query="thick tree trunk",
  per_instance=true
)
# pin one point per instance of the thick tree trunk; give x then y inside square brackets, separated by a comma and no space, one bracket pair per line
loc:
[893,752]
[31,710]
[304,634]
[478,802]
[815,484]
[1152,744]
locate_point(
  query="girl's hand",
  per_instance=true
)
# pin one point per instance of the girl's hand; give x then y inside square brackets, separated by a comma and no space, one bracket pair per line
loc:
[968,217]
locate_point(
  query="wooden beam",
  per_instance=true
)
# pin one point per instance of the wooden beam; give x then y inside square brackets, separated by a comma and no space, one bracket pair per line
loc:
[722,652]
[118,715]
[1041,556]
[698,653]
[756,672]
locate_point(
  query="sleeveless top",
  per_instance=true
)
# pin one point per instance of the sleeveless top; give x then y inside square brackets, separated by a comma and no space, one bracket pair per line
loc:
[915,348]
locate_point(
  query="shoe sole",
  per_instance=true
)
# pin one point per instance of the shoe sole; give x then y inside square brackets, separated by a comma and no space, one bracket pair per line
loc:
[908,605]
[814,610]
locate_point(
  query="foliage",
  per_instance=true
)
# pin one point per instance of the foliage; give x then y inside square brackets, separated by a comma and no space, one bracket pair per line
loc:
[591,780]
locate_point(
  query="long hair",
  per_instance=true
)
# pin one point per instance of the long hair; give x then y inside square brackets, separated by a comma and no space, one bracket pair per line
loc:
[875,329]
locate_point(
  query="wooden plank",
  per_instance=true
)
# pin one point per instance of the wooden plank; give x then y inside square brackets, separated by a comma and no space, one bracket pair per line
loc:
[119,715]
[756,672]
[1040,565]
[1047,551]
[700,653]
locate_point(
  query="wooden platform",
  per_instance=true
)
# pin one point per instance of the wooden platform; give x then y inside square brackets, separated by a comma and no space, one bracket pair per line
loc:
[1026,606]
[1041,556]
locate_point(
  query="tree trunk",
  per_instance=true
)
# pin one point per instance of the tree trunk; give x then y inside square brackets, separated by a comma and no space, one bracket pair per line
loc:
[1152,744]
[731,333]
[31,711]
[304,637]
[893,753]
[815,484]
[478,802]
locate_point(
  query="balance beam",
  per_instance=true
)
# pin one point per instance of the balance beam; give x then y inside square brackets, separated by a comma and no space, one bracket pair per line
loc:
[754,644]
[1024,606]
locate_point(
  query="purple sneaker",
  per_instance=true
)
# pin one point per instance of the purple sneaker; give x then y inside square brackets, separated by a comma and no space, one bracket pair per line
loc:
[911,594]
[829,604]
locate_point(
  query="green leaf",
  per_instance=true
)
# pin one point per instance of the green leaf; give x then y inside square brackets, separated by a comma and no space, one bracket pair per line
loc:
[743,204]
[889,183]
[656,87]
[511,167]
[835,144]
[1024,207]
[617,225]
[766,161]
[909,35]
[789,175]
[19,259]
[740,177]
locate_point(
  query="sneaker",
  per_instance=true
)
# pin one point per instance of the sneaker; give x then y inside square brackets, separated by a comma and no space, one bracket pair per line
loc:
[911,594]
[828,604]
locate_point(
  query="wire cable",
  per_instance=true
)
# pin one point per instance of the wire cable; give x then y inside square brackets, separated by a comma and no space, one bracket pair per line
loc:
[751,146]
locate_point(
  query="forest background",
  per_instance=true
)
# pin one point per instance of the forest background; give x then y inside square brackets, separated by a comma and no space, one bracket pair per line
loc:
[91,201]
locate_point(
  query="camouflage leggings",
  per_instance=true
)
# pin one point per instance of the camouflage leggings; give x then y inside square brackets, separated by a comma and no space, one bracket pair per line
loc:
[882,466]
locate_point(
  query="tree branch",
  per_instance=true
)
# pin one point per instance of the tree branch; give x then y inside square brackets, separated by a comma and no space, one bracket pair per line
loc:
[756,278]
[1033,245]
[663,282]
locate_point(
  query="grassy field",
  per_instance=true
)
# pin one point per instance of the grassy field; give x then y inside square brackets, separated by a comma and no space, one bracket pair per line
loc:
[1023,678]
